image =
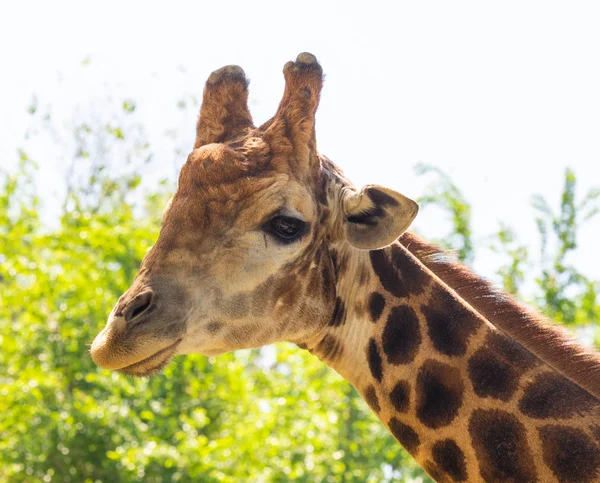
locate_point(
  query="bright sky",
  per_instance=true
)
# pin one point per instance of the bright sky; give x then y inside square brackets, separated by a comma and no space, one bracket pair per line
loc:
[503,96]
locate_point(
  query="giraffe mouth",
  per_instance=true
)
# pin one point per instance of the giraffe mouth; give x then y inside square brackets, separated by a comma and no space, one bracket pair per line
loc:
[153,364]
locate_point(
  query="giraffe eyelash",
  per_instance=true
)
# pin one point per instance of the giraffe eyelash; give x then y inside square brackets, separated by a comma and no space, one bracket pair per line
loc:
[285,229]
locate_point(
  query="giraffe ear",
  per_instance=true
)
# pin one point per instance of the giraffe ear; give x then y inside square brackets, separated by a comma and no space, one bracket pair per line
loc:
[376,216]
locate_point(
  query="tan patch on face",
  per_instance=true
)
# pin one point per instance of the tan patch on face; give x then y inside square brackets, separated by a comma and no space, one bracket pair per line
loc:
[243,336]
[242,274]
[278,293]
[214,326]
[237,306]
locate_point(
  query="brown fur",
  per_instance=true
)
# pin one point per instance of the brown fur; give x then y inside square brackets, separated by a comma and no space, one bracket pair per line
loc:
[548,342]
[224,114]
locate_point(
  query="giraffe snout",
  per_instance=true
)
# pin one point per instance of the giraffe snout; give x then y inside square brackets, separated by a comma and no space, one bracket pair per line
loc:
[140,305]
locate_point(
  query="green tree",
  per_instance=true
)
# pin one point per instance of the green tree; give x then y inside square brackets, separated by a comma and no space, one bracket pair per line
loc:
[446,195]
[260,415]
[268,415]
[566,295]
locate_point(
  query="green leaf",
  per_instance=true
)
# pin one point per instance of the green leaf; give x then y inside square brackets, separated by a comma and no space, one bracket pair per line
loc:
[129,106]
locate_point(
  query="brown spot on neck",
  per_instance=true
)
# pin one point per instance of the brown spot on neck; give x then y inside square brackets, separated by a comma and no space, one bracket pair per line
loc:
[374,359]
[450,324]
[371,398]
[439,394]
[553,396]
[491,376]
[400,396]
[523,325]
[500,444]
[401,335]
[570,453]
[398,272]
[376,306]
[450,459]
[405,435]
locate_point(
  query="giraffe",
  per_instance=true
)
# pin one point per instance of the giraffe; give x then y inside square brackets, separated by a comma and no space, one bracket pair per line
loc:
[266,240]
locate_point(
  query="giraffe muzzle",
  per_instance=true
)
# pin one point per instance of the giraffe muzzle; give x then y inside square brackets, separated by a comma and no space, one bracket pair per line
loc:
[141,305]
[144,329]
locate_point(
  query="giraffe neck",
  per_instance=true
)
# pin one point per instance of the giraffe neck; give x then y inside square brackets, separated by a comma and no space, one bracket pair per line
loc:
[466,401]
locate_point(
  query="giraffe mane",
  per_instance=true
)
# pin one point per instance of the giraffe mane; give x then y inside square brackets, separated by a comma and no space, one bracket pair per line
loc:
[533,331]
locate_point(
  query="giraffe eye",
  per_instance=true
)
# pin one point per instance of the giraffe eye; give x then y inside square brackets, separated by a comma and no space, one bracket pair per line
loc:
[285,227]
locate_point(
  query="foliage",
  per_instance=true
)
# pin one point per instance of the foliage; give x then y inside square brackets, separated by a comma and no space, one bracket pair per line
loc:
[269,415]
[567,295]
[513,272]
[446,195]
[260,415]
[562,292]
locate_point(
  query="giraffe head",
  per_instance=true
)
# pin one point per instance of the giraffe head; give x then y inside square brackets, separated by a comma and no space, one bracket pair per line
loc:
[243,257]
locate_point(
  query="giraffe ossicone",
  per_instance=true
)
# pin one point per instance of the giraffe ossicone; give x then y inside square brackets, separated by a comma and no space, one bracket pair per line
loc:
[266,240]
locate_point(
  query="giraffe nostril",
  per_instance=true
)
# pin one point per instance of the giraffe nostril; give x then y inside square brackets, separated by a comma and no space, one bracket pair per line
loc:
[137,306]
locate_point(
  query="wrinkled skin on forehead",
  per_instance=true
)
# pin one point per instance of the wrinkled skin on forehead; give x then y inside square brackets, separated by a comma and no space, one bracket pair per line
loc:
[243,257]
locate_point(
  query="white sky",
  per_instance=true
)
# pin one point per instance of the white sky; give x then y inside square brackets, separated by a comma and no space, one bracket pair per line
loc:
[503,96]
